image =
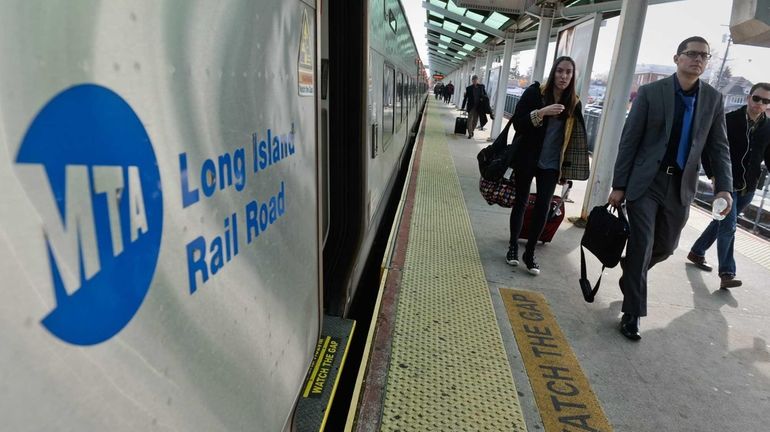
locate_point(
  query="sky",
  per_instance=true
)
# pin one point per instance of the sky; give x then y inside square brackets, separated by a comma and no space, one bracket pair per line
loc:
[666,25]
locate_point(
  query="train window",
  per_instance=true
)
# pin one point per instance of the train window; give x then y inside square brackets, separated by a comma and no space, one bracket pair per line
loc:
[392,20]
[388,101]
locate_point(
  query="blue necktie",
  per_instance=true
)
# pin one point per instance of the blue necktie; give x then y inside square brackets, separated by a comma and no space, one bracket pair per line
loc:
[684,139]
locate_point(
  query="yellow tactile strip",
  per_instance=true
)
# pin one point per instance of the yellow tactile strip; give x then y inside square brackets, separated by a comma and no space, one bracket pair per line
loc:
[448,369]
[562,391]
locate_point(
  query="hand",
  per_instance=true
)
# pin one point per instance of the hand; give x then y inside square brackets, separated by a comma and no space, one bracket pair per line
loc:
[562,181]
[616,198]
[550,110]
[729,198]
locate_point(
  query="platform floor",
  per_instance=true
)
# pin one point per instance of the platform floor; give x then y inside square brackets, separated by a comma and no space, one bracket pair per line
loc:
[703,363]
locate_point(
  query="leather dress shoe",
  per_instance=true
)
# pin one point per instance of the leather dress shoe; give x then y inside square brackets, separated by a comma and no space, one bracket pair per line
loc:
[629,327]
[699,262]
[729,281]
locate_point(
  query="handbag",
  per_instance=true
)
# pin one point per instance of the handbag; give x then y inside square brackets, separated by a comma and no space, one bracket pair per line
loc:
[501,192]
[605,236]
[495,158]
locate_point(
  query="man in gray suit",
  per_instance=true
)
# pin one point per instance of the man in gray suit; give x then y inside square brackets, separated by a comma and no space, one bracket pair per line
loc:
[671,123]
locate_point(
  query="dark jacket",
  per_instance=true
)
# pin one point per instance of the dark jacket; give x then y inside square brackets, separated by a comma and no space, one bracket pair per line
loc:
[746,154]
[574,155]
[469,96]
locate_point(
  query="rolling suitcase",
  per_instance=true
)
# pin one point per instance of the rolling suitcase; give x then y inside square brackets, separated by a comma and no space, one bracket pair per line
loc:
[461,125]
[552,221]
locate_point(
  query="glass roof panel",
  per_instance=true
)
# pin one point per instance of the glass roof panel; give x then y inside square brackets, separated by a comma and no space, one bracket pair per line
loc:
[445,38]
[453,7]
[463,32]
[474,16]
[496,20]
[435,15]
[440,3]
[451,26]
[468,47]
[479,37]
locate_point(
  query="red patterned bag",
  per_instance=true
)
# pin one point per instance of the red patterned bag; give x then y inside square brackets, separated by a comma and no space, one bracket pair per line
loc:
[501,192]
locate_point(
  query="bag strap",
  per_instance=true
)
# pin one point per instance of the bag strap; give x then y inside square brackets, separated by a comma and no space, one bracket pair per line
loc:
[585,285]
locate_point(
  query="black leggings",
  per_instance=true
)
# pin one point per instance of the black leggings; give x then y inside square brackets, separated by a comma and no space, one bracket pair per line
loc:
[546,184]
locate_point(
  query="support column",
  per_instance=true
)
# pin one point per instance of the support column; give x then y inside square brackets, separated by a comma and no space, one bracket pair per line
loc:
[541,46]
[502,87]
[488,65]
[624,57]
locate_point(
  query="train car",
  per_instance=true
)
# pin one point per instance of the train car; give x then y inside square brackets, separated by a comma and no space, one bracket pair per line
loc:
[377,89]
[188,186]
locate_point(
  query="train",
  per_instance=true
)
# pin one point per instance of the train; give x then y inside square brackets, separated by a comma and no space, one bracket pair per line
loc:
[188,188]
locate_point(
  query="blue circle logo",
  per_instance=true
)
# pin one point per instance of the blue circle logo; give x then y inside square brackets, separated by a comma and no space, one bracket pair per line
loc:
[98,192]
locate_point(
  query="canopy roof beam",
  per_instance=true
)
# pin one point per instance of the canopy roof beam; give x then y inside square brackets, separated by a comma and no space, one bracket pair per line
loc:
[463,19]
[455,36]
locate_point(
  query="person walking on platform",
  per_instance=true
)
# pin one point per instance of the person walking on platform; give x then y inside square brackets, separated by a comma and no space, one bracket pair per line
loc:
[748,133]
[438,90]
[551,147]
[671,123]
[449,91]
[473,94]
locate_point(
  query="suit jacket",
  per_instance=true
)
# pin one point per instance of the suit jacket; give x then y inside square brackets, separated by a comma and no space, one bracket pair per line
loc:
[469,96]
[646,133]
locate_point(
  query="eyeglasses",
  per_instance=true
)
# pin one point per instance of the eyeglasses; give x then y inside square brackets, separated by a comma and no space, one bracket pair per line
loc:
[757,99]
[695,54]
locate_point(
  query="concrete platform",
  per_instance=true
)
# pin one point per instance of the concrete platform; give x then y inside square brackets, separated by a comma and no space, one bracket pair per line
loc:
[704,360]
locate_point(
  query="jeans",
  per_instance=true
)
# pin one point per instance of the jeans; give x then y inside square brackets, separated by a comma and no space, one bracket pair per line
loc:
[723,232]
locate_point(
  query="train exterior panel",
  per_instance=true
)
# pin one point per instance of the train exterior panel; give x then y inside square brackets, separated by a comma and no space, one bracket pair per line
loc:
[159,244]
[392,98]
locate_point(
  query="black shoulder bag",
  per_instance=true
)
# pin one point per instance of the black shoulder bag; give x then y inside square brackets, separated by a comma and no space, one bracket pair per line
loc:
[605,236]
[495,158]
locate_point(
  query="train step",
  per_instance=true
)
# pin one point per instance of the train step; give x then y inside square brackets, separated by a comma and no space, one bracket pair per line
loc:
[323,375]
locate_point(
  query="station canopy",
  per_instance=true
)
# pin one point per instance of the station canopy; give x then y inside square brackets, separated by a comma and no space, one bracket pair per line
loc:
[459,30]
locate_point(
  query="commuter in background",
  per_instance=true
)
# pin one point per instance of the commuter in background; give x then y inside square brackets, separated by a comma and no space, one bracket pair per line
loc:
[438,90]
[473,95]
[449,90]
[748,133]
[551,148]
[672,122]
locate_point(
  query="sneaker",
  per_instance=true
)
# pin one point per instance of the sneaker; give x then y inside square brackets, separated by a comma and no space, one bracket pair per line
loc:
[529,261]
[729,281]
[512,257]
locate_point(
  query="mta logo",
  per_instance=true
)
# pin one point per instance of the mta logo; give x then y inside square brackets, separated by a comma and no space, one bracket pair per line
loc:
[89,169]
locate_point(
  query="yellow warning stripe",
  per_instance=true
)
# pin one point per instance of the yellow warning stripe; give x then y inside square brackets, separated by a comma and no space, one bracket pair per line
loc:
[562,391]
[318,362]
[337,378]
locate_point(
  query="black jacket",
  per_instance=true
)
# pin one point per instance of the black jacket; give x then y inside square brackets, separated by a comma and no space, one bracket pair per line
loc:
[532,138]
[469,96]
[746,153]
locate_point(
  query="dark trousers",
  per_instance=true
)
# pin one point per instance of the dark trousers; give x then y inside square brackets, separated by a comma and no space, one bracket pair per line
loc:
[546,184]
[473,119]
[656,221]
